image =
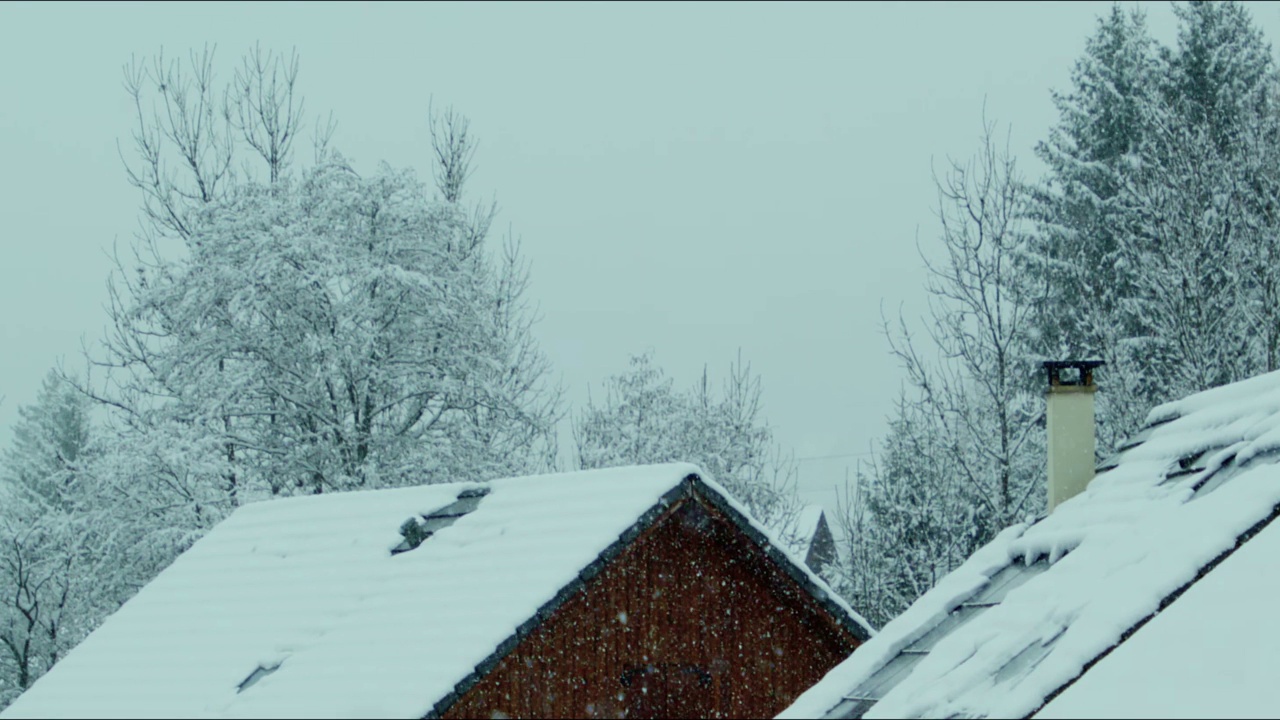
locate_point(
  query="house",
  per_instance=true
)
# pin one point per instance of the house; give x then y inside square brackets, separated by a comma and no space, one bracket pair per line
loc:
[818,544]
[1150,593]
[645,592]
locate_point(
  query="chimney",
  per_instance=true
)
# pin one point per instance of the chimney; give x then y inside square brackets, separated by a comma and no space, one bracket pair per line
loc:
[1070,426]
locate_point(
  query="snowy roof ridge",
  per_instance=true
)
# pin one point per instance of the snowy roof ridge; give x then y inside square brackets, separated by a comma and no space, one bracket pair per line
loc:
[301,607]
[1109,561]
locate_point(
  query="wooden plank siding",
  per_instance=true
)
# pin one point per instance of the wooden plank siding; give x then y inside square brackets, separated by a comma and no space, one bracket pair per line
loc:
[689,620]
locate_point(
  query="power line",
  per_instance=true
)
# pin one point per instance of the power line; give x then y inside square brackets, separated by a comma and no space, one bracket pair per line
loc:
[830,457]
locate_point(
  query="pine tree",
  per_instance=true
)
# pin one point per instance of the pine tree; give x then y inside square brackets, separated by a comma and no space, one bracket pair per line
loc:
[1077,274]
[909,520]
[1216,69]
[50,443]
[1198,230]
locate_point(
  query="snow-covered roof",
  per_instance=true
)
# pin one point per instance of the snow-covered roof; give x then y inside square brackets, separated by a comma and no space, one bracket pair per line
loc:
[299,607]
[807,522]
[1045,604]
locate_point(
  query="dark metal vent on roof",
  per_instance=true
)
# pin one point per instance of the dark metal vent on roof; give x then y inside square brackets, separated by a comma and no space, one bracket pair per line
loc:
[1212,466]
[1110,463]
[1137,439]
[416,531]
[1226,467]
[1188,465]
[257,674]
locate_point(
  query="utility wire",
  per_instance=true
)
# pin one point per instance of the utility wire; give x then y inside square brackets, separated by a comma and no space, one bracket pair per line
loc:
[830,457]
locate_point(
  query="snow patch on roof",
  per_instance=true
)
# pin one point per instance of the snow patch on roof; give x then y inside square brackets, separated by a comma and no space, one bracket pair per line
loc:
[1134,537]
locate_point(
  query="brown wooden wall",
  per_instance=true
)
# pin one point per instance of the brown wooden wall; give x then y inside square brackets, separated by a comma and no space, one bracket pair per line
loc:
[691,620]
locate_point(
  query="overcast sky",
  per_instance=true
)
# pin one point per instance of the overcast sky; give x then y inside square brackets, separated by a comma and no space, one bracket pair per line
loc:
[691,178]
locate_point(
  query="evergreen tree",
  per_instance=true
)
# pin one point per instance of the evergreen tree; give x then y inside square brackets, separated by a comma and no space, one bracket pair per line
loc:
[50,443]
[1215,71]
[1077,275]
[1258,171]
[909,521]
[1151,243]
[1192,253]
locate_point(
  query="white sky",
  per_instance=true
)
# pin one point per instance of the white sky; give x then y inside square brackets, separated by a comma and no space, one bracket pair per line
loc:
[694,178]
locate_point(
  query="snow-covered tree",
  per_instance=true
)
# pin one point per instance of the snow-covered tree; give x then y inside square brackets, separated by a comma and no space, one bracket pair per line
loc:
[983,388]
[330,333]
[1152,243]
[1077,275]
[964,455]
[640,420]
[1201,207]
[50,442]
[36,575]
[306,331]
[643,419]
[908,520]
[1259,174]
[1215,70]
[1153,246]
[275,329]
[1187,313]
[47,595]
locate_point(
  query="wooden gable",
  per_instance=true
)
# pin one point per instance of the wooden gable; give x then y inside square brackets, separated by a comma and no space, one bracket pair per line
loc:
[689,619]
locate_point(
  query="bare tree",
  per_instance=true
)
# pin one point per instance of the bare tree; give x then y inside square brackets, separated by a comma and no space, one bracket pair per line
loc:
[979,320]
[189,128]
[36,574]
[454,148]
[183,140]
[268,109]
[961,460]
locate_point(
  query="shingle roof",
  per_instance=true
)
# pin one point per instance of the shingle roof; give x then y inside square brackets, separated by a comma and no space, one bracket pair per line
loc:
[299,607]
[1021,620]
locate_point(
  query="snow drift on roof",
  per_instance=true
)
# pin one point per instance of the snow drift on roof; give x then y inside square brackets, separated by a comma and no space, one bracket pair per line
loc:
[1173,505]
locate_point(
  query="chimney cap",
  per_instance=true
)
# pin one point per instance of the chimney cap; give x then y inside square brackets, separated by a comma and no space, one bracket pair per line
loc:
[1084,377]
[1082,364]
